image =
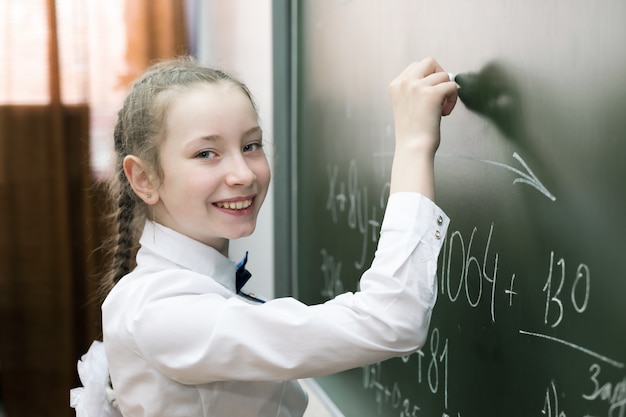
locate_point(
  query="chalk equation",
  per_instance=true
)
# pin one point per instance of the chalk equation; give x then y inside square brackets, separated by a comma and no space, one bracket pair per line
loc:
[479,271]
[432,369]
[348,199]
[471,275]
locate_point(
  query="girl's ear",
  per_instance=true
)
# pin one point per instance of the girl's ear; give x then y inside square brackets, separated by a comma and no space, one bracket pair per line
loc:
[141,180]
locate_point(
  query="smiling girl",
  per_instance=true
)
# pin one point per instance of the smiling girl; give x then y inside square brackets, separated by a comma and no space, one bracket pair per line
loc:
[180,338]
[213,174]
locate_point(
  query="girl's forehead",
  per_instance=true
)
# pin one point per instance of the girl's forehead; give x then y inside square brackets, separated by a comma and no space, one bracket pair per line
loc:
[202,108]
[207,93]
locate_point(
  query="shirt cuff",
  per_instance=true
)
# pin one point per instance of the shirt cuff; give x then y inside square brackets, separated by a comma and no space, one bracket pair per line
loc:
[414,211]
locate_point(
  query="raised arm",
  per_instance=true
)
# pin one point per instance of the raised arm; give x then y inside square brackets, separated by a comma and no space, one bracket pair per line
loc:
[420,95]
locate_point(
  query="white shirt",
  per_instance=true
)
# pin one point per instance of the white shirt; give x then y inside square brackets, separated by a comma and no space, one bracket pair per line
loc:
[180,342]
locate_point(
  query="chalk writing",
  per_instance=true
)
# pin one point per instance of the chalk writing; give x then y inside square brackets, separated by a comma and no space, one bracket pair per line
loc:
[528,177]
[510,291]
[613,394]
[372,375]
[348,198]
[473,268]
[551,403]
[553,298]
[331,270]
[603,358]
[470,273]
[433,367]
[473,275]
[436,373]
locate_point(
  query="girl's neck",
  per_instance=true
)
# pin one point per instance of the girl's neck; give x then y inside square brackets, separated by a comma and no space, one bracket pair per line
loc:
[220,245]
[224,248]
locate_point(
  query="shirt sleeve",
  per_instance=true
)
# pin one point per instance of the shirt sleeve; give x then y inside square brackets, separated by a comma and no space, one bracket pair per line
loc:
[198,338]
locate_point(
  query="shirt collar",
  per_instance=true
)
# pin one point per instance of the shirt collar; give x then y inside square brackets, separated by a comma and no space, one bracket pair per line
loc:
[188,253]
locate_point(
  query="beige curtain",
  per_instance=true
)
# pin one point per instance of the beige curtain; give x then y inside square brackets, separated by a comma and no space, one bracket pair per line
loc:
[50,218]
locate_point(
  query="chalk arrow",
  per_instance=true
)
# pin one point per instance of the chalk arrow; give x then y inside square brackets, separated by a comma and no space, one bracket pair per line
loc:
[527,177]
[524,177]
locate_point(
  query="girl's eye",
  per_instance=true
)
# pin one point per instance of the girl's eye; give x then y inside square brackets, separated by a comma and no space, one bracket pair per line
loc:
[205,154]
[251,147]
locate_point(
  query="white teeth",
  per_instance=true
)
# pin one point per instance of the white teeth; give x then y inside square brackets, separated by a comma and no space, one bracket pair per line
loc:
[235,205]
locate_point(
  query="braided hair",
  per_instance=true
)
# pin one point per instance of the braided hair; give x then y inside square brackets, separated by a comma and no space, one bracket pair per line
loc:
[139,131]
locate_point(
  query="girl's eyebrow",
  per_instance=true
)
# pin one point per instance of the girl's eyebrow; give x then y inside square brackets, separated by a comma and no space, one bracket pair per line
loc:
[215,138]
[249,132]
[252,131]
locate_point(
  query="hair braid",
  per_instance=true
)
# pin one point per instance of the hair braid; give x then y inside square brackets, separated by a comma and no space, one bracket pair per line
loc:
[122,262]
[123,208]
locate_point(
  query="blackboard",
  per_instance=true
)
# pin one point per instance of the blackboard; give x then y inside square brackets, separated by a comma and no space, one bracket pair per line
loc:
[531,311]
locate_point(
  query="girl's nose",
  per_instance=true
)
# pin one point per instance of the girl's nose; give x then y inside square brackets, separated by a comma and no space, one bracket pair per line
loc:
[239,172]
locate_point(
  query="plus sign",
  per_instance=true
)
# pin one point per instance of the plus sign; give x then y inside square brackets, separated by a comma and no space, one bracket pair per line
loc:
[510,291]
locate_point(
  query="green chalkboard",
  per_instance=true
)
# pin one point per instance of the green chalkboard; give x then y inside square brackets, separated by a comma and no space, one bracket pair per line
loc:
[531,311]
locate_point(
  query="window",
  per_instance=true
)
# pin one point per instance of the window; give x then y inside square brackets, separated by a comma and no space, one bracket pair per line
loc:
[91,46]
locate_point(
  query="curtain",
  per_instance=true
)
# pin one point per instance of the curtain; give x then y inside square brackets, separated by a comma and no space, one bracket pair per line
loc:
[51,191]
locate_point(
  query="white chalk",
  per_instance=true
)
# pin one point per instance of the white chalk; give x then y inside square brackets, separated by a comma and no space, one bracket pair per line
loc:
[451,76]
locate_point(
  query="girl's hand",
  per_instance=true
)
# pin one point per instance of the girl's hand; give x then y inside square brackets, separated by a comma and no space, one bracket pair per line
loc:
[420,95]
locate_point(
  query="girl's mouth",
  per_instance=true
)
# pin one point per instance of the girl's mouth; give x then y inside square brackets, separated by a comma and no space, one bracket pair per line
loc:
[235,205]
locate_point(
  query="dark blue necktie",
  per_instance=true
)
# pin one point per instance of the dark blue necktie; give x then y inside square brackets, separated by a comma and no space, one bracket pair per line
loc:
[243,275]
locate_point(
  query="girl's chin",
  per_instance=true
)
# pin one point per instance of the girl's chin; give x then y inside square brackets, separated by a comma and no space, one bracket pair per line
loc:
[242,233]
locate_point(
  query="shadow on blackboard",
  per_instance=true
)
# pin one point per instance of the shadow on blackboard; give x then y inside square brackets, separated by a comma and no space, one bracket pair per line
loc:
[492,93]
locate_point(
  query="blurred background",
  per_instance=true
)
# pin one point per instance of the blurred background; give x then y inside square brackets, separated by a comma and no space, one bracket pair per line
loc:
[65,66]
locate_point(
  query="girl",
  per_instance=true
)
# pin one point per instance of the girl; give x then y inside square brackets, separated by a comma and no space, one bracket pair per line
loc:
[192,174]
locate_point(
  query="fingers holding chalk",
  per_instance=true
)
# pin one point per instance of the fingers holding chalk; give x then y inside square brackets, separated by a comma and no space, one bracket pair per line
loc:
[453,78]
[451,97]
